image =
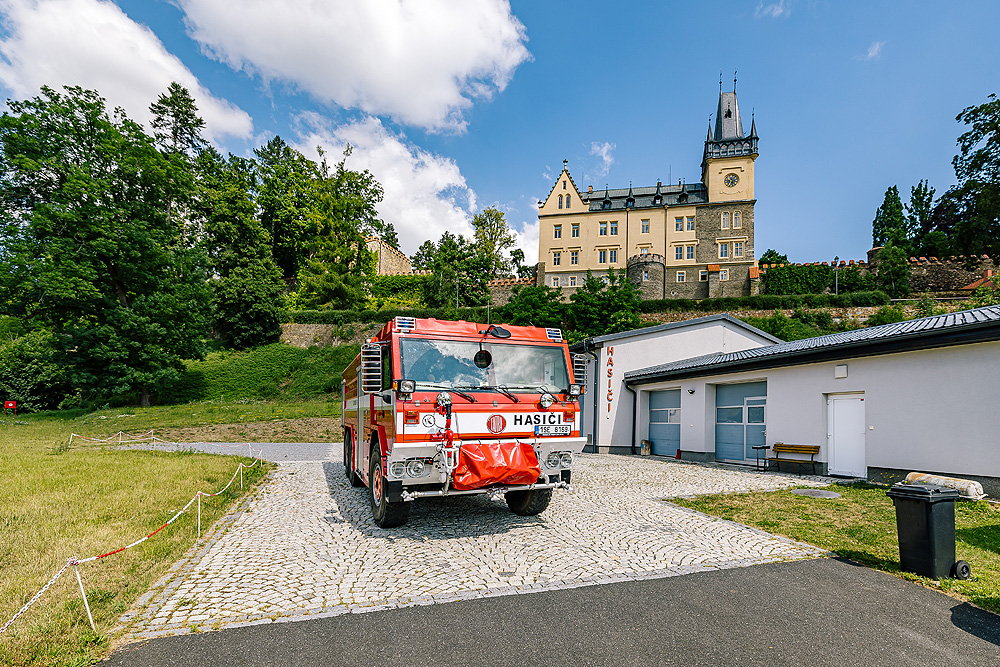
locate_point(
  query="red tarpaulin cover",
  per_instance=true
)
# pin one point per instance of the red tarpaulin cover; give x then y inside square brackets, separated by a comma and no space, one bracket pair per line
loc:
[484,464]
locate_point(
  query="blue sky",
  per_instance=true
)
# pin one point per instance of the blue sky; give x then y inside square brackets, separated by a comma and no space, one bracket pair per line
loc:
[456,105]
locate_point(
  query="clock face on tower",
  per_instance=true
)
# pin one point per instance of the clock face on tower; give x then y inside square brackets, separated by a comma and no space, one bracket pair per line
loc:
[731,180]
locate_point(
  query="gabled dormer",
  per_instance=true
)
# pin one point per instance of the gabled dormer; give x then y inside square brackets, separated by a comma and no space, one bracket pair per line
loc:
[564,197]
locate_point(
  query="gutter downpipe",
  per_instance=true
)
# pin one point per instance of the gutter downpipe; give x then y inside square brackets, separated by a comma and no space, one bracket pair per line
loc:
[635,410]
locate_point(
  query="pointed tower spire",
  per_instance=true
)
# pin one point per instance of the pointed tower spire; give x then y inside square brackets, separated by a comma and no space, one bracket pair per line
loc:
[753,125]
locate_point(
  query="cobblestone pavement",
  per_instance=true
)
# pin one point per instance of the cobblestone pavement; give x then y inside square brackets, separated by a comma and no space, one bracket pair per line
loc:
[305,545]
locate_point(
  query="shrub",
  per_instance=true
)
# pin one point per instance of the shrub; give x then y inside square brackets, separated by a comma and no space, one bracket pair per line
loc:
[886,315]
[29,373]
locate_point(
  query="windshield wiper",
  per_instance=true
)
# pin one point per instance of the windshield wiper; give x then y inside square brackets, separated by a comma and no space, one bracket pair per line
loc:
[500,388]
[454,390]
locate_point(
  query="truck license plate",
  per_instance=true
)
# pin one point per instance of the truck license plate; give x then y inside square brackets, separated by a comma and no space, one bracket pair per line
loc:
[552,429]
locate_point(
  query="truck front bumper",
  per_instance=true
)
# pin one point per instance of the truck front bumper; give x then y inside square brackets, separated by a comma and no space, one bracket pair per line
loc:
[493,491]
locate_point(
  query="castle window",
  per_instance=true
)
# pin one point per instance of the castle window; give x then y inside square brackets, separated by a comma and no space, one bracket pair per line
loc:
[645,275]
[613,256]
[678,224]
[703,276]
[602,256]
[614,228]
[643,251]
[657,200]
[560,201]
[556,258]
[574,256]
[606,204]
[690,227]
[567,201]
[564,185]
[680,276]
[575,230]
[557,232]
[604,280]
[604,228]
[555,281]
[645,226]
[725,220]
[679,252]
[738,249]
[723,251]
[724,274]
[572,281]
[690,252]
[737,220]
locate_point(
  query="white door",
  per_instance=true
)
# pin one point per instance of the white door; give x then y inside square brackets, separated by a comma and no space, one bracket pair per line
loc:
[846,435]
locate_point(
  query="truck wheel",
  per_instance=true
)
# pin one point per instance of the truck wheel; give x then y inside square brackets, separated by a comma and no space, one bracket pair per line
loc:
[385,513]
[349,464]
[528,503]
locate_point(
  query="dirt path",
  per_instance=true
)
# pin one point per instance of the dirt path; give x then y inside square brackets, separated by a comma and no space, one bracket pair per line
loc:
[308,429]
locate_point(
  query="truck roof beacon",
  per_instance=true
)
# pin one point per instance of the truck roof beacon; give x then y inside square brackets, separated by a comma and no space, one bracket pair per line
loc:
[435,408]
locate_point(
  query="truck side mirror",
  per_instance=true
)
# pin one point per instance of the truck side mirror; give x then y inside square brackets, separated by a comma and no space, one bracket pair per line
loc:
[371,368]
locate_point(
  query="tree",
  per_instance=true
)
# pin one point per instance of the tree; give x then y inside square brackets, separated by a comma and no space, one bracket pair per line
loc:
[918,217]
[87,249]
[889,225]
[968,214]
[285,191]
[893,271]
[247,284]
[771,256]
[459,272]
[600,307]
[493,238]
[534,305]
[337,259]
[521,270]
[176,124]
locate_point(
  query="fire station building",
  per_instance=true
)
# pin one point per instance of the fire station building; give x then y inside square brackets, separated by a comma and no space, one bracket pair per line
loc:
[879,402]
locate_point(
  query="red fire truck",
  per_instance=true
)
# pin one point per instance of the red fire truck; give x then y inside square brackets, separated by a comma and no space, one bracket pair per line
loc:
[434,408]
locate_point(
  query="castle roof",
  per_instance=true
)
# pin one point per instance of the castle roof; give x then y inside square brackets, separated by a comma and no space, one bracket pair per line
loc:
[645,197]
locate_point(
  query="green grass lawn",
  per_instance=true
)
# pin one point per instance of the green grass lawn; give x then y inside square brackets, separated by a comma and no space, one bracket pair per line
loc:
[58,502]
[861,526]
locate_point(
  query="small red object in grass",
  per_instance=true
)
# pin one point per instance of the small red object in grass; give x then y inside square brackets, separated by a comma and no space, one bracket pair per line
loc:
[10,405]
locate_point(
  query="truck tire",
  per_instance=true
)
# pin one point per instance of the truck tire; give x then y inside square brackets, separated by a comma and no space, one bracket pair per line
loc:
[528,503]
[352,477]
[385,513]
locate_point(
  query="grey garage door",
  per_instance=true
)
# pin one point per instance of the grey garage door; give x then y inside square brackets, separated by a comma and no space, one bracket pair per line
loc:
[665,421]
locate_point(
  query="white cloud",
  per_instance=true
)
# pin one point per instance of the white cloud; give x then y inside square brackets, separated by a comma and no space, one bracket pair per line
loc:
[92,43]
[874,50]
[425,194]
[423,62]
[527,240]
[603,151]
[772,9]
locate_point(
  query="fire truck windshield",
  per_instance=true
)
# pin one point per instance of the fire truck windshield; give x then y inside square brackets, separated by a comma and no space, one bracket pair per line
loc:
[516,367]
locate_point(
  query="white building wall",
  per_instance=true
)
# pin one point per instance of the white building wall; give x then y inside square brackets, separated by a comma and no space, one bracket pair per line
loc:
[928,410]
[614,404]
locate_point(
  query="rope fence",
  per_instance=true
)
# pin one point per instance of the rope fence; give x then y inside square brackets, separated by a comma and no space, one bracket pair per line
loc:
[74,562]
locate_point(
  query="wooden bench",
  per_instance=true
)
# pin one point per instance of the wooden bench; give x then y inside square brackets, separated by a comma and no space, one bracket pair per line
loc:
[780,448]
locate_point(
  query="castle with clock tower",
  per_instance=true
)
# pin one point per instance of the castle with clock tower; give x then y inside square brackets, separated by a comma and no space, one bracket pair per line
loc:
[684,240]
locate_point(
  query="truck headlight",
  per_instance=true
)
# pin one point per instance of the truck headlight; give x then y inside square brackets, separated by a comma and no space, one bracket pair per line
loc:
[566,459]
[415,468]
[552,460]
[443,399]
[575,389]
[397,469]
[547,400]
[407,386]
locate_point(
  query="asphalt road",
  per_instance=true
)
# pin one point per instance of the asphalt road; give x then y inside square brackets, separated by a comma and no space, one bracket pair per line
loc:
[816,612]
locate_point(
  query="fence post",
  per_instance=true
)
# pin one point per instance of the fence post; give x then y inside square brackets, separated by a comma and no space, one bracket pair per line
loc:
[241,476]
[84,594]
[199,514]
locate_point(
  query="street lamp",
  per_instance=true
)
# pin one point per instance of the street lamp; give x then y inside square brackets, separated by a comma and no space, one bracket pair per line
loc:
[836,267]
